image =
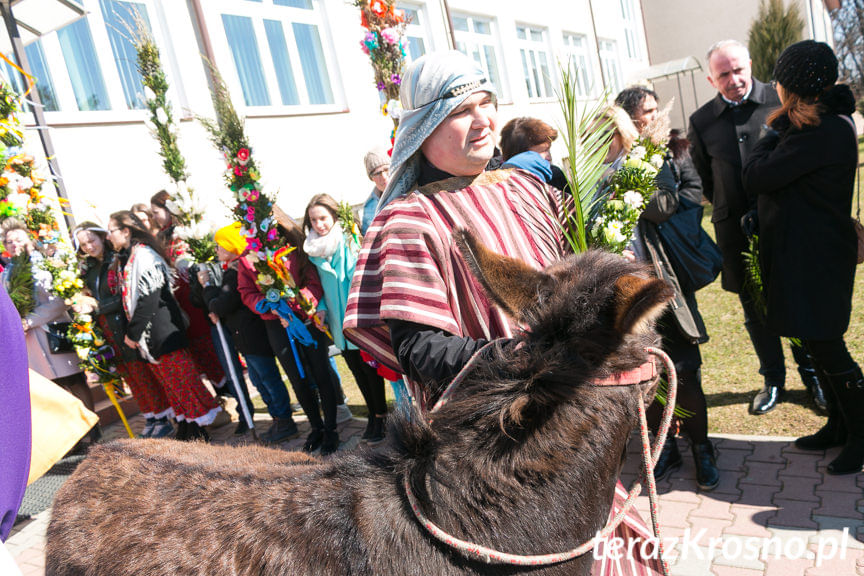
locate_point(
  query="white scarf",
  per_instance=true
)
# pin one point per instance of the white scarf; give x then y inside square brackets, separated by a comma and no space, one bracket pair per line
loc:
[323,246]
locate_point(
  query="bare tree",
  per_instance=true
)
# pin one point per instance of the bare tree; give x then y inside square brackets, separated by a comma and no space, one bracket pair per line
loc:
[848,21]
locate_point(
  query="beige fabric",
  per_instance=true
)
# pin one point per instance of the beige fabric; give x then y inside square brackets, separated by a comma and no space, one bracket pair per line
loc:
[59,420]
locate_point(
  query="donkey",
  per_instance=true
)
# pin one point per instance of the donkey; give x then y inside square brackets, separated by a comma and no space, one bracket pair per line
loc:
[523,458]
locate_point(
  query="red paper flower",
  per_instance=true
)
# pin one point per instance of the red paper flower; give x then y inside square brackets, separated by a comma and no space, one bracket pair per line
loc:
[378,7]
[243,156]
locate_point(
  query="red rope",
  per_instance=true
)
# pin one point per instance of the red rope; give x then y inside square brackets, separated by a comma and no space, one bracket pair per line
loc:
[649,460]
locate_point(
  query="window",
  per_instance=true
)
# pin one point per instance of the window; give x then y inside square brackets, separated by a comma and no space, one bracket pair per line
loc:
[277,49]
[85,74]
[631,36]
[576,54]
[90,65]
[475,37]
[120,21]
[41,76]
[535,61]
[609,62]
[416,43]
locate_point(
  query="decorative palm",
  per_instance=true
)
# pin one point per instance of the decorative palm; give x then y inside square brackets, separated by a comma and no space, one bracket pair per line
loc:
[587,138]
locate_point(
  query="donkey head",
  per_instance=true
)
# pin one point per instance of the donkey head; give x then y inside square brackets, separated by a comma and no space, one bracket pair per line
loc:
[587,316]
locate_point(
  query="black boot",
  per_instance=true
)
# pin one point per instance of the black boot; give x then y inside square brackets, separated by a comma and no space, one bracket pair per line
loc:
[196,432]
[379,428]
[370,423]
[330,443]
[669,460]
[766,399]
[810,378]
[707,475]
[182,430]
[849,389]
[833,433]
[95,434]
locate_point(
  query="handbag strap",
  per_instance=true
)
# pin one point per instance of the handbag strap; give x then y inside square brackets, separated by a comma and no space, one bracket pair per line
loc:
[851,123]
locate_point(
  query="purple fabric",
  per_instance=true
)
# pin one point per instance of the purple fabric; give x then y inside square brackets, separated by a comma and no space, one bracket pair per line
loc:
[14,415]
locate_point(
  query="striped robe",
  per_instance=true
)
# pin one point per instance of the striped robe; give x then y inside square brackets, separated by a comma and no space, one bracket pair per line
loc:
[409,269]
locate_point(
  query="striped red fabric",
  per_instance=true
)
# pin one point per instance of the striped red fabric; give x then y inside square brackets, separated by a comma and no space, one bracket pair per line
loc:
[409,268]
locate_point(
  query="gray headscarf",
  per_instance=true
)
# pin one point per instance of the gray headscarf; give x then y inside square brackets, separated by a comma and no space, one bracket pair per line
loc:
[432,87]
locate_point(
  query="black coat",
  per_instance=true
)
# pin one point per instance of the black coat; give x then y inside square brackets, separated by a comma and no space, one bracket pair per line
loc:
[110,304]
[808,247]
[721,138]
[674,180]
[245,327]
[161,314]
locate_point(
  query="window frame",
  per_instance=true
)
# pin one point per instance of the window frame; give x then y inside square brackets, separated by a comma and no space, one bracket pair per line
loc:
[118,112]
[531,46]
[258,11]
[589,90]
[493,40]
[421,28]
[617,84]
[631,30]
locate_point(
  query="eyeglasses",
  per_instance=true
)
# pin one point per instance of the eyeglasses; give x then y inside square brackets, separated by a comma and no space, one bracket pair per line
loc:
[112,230]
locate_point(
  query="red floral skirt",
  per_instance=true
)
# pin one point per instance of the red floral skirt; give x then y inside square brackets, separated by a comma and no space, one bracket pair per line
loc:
[146,389]
[182,383]
[142,382]
[205,358]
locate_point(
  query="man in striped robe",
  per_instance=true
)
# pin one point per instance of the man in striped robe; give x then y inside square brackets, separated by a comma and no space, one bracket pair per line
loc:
[413,304]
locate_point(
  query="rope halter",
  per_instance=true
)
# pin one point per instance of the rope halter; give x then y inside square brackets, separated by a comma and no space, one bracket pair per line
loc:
[644,373]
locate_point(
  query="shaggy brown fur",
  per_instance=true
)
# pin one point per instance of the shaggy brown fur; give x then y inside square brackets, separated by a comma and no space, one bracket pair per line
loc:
[523,458]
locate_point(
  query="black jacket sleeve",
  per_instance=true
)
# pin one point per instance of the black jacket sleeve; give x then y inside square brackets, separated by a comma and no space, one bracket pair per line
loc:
[664,202]
[701,162]
[429,355]
[110,305]
[690,184]
[225,299]
[145,310]
[196,296]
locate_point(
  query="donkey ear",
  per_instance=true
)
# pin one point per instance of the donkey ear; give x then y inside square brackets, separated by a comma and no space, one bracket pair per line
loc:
[638,302]
[511,283]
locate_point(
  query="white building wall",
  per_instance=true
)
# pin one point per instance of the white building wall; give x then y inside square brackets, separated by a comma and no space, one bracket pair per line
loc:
[109,160]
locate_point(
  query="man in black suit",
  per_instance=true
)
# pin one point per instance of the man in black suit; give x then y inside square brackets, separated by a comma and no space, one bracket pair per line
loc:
[722,132]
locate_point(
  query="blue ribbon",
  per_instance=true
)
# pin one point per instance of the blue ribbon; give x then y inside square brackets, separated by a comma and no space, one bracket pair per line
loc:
[296,329]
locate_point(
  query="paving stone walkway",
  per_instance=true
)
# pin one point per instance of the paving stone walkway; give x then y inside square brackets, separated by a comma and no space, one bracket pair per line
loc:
[775,513]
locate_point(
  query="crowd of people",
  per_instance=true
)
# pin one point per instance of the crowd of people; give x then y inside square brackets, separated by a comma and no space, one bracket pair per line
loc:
[173,327]
[775,160]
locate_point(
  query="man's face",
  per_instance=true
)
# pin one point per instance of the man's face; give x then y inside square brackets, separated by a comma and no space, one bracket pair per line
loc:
[381,177]
[729,72]
[646,113]
[464,142]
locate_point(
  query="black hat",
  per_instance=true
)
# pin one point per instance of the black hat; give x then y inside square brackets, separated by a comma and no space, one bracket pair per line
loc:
[806,68]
